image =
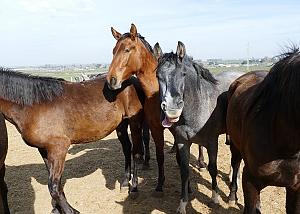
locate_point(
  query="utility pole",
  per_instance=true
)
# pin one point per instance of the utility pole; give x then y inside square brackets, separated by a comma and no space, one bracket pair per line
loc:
[248,49]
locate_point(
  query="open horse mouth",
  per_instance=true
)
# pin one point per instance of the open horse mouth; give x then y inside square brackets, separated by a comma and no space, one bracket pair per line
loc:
[168,120]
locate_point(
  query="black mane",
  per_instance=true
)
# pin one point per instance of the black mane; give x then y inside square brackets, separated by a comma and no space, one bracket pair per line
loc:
[201,71]
[25,89]
[285,74]
[281,87]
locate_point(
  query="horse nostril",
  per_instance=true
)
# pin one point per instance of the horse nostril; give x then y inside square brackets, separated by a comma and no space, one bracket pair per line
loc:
[163,106]
[113,81]
[180,104]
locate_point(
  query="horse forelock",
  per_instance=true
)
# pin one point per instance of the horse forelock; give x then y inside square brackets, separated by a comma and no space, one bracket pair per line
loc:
[25,89]
[143,40]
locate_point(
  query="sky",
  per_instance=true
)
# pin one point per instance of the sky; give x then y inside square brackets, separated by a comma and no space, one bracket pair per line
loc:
[37,32]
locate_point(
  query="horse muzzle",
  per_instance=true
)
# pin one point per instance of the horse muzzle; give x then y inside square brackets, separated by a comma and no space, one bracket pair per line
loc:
[113,84]
[171,117]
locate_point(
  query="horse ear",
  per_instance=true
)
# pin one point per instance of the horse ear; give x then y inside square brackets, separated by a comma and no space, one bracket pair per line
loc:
[180,52]
[133,32]
[115,33]
[157,51]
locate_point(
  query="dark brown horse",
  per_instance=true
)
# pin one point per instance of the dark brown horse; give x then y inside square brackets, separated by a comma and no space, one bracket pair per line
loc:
[3,151]
[263,120]
[51,114]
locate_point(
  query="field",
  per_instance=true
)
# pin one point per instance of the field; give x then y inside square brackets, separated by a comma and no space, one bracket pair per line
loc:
[92,174]
[70,73]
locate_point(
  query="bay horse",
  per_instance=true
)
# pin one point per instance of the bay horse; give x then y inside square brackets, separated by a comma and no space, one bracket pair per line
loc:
[51,114]
[133,55]
[3,151]
[146,132]
[190,104]
[263,120]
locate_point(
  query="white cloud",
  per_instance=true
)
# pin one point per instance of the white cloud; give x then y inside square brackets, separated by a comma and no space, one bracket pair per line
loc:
[57,7]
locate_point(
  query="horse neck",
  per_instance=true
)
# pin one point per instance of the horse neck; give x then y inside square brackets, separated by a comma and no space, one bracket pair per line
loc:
[147,76]
[201,95]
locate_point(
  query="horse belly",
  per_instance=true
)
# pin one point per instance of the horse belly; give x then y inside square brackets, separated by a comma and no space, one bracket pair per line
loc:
[283,172]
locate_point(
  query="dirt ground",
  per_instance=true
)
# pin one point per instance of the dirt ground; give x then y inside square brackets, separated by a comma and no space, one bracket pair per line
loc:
[92,174]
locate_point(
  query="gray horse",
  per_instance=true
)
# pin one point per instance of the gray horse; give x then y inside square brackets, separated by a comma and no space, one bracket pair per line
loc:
[193,103]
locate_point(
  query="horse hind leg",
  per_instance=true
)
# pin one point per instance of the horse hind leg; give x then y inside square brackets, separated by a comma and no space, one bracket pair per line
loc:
[292,201]
[122,133]
[235,164]
[212,151]
[146,140]
[3,195]
[54,158]
[251,190]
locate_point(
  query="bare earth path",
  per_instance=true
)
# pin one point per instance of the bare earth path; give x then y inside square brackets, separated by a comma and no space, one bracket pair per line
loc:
[92,174]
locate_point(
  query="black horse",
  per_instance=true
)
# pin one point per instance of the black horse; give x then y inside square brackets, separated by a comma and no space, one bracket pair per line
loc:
[189,101]
[263,120]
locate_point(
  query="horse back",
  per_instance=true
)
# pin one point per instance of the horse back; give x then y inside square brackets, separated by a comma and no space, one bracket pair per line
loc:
[241,98]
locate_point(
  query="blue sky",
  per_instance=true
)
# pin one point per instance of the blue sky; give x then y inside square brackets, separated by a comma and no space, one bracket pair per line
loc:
[36,32]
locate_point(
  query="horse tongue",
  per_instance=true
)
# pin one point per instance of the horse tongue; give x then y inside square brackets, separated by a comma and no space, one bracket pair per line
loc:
[166,123]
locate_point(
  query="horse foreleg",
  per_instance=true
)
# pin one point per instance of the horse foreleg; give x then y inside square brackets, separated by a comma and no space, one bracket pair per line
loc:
[158,137]
[184,153]
[55,162]
[236,159]
[212,151]
[146,140]
[292,201]
[251,193]
[201,164]
[136,133]
[123,137]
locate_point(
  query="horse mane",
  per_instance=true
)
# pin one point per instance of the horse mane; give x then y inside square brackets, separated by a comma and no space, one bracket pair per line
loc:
[146,44]
[281,86]
[26,89]
[202,73]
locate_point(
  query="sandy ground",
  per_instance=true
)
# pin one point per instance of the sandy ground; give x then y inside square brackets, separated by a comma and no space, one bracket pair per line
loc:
[92,174]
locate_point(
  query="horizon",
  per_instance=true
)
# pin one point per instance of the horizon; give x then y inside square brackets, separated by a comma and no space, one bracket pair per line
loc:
[40,32]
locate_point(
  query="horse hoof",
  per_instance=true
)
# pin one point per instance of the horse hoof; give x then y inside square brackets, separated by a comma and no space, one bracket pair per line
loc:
[181,208]
[134,195]
[201,169]
[201,166]
[55,211]
[215,197]
[76,211]
[232,203]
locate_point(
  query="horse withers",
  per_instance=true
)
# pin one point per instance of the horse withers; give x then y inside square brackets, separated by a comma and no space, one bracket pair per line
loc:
[193,104]
[263,120]
[51,114]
